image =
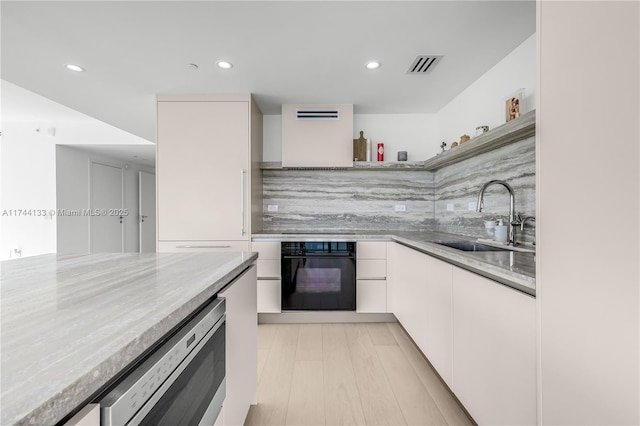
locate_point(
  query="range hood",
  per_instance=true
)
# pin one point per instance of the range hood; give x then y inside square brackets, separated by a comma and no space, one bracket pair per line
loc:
[317,135]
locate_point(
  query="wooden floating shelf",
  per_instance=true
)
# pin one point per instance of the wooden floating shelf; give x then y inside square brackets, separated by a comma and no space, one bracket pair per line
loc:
[508,133]
[357,166]
[516,130]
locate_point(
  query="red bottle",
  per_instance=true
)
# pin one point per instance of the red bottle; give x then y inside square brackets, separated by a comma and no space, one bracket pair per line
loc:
[380,152]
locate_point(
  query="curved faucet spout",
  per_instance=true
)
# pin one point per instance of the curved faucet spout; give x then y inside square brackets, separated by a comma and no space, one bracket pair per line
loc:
[513,219]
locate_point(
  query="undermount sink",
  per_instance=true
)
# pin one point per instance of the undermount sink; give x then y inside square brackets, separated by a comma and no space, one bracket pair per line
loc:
[470,246]
[490,246]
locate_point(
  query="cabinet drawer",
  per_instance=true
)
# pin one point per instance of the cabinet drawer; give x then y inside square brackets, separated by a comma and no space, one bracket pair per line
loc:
[269,299]
[372,250]
[371,296]
[371,269]
[268,268]
[201,246]
[267,250]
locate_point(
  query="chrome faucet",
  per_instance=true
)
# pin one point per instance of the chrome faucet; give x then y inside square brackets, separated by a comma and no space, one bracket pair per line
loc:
[526,218]
[514,219]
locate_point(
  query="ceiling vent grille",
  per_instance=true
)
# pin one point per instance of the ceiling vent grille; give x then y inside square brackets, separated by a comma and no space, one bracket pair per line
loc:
[317,114]
[423,64]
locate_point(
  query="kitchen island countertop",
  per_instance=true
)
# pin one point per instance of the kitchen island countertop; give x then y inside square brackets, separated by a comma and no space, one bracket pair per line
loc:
[514,269]
[70,323]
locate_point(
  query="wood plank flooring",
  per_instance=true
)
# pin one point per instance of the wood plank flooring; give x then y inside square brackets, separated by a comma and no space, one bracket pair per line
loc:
[347,374]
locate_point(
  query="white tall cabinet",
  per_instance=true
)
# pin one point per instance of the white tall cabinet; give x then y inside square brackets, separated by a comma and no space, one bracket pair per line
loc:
[588,282]
[208,176]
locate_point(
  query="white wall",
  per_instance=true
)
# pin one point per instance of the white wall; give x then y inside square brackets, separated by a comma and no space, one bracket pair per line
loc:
[28,164]
[483,102]
[588,163]
[28,183]
[415,133]
[73,171]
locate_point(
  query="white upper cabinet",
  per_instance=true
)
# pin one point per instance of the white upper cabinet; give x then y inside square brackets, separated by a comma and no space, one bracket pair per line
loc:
[317,135]
[204,167]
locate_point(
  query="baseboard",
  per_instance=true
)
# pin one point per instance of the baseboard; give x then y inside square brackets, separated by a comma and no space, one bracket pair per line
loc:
[323,317]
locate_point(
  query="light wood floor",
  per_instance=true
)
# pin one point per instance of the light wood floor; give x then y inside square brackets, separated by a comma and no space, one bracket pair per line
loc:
[347,374]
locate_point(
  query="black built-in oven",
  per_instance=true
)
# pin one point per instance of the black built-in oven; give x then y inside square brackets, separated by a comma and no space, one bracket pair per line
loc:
[319,276]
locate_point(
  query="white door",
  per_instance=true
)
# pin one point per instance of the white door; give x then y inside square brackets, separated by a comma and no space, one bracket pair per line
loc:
[105,223]
[147,209]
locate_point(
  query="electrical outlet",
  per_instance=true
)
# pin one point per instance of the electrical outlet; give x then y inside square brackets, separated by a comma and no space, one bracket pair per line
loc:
[272,208]
[472,205]
[449,207]
[400,208]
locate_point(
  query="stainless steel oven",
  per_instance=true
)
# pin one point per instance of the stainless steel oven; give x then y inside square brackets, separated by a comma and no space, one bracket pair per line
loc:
[180,383]
[318,276]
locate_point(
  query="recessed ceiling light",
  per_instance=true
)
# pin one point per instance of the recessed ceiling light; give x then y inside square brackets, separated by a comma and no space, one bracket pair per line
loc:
[73,67]
[372,65]
[224,65]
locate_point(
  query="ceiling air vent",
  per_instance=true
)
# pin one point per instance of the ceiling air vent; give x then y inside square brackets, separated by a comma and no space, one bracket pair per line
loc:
[423,64]
[317,114]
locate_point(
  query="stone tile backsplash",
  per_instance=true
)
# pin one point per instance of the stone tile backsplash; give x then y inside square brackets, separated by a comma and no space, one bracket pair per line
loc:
[364,199]
[347,199]
[460,183]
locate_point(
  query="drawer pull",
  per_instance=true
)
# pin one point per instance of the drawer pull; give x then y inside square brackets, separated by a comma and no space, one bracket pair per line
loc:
[204,246]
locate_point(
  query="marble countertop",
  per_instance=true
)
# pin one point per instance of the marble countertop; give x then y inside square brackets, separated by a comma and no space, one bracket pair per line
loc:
[514,269]
[70,323]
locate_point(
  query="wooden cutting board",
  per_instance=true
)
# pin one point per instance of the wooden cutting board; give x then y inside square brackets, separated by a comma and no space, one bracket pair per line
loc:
[360,148]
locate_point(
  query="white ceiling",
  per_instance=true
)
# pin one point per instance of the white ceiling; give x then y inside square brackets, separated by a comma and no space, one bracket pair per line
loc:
[73,128]
[283,52]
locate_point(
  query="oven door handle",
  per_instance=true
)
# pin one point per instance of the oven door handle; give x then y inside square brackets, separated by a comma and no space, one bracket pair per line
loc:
[338,257]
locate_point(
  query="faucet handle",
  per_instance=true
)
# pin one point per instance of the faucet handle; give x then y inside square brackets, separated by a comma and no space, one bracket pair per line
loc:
[526,218]
[517,220]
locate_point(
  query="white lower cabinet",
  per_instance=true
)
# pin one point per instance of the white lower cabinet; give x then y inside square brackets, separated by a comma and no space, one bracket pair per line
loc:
[371,277]
[438,307]
[478,334]
[494,350]
[371,296]
[241,347]
[269,276]
[409,292]
[269,296]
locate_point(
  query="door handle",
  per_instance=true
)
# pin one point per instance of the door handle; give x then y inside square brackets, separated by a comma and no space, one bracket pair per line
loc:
[243,172]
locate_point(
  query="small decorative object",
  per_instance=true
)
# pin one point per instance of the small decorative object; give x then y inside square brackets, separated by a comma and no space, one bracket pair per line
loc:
[402,155]
[500,232]
[380,151]
[513,105]
[360,148]
[481,129]
[464,138]
[368,149]
[443,145]
[454,144]
[489,227]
